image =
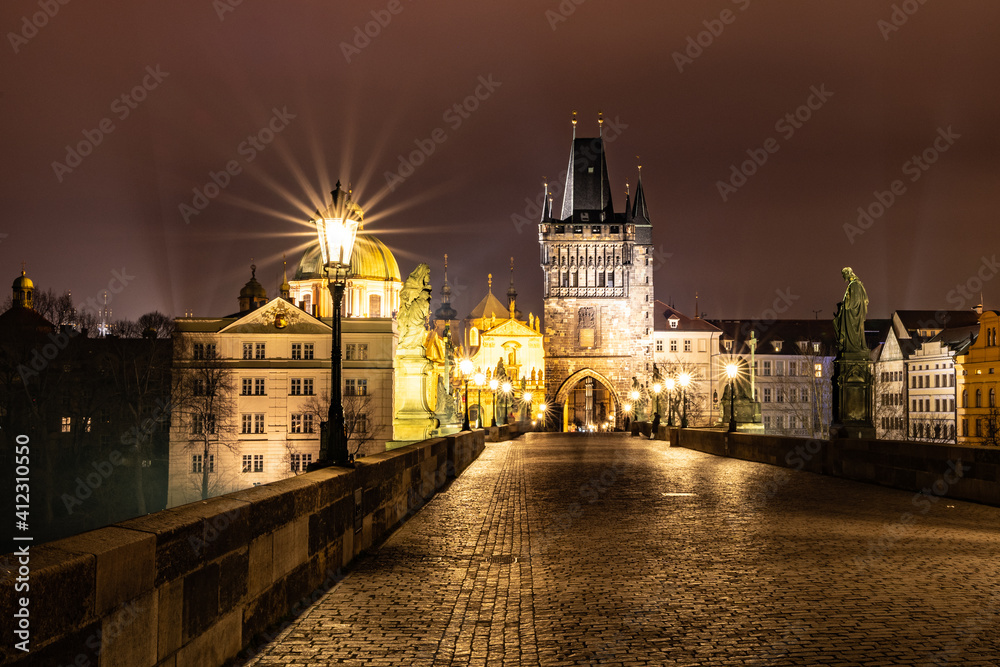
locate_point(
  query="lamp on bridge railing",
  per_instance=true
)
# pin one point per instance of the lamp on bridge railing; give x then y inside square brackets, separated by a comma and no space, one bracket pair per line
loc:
[494,385]
[657,388]
[465,368]
[336,229]
[526,397]
[671,383]
[480,380]
[684,380]
[732,371]
[506,388]
[541,414]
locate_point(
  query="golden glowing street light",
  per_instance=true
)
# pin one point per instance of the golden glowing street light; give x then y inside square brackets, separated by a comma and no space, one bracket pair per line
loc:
[494,385]
[506,388]
[671,383]
[732,371]
[480,380]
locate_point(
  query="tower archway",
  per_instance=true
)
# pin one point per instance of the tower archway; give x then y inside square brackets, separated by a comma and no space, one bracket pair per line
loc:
[588,398]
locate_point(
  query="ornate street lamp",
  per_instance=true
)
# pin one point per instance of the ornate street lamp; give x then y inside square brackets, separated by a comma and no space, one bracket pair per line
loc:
[657,388]
[732,371]
[541,415]
[671,383]
[526,397]
[337,228]
[465,368]
[684,380]
[494,385]
[480,380]
[506,388]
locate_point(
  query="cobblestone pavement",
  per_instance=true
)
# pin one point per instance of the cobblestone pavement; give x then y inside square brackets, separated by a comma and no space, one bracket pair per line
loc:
[613,550]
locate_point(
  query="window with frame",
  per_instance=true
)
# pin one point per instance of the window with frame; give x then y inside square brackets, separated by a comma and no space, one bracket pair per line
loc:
[202,424]
[246,386]
[204,351]
[259,351]
[673,346]
[296,388]
[246,423]
[308,350]
[197,466]
[67,424]
[258,387]
[779,367]
[792,368]
[659,346]
[357,423]
[804,393]
[307,423]
[198,385]
[779,395]
[767,394]
[766,372]
[307,386]
[359,351]
[687,345]
[258,422]
[296,426]
[300,462]
[818,370]
[356,387]
[296,351]
[248,350]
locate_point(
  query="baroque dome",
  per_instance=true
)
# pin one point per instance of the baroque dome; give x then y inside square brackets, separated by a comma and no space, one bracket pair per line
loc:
[370,260]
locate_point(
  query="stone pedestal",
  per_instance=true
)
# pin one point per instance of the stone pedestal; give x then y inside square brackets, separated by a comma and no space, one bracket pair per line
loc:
[852,397]
[414,420]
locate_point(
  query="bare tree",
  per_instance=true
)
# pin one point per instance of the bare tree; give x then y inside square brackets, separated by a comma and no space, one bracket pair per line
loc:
[158,322]
[204,402]
[361,423]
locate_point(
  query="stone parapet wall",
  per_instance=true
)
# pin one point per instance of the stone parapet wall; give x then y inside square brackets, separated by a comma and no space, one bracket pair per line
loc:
[195,584]
[930,470]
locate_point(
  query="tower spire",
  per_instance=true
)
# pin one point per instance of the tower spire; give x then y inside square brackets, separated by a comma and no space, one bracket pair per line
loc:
[547,203]
[512,294]
[284,289]
[445,312]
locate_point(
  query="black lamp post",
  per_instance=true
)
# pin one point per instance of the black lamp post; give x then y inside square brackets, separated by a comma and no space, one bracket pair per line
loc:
[494,384]
[479,380]
[684,380]
[337,229]
[657,388]
[465,367]
[506,387]
[732,371]
[671,383]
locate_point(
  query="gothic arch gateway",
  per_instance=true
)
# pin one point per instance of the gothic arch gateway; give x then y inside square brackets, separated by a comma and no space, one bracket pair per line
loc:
[588,398]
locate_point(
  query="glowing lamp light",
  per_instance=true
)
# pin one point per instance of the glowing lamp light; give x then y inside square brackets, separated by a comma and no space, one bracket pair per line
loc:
[634,395]
[657,388]
[494,383]
[479,379]
[684,379]
[732,371]
[506,387]
[465,366]
[526,397]
[670,384]
[336,240]
[627,407]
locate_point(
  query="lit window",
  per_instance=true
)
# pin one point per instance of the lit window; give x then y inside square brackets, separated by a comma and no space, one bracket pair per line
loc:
[818,370]
[296,424]
[67,423]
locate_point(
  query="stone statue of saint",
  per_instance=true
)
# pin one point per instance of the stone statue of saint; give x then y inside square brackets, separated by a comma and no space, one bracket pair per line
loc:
[849,319]
[656,374]
[414,305]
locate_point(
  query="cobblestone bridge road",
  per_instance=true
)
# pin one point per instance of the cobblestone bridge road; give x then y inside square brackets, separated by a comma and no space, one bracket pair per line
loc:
[610,550]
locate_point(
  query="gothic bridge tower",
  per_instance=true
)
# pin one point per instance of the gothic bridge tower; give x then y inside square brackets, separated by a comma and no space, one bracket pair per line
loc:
[597,292]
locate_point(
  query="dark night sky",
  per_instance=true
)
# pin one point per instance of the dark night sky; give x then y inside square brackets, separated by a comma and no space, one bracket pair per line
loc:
[782,230]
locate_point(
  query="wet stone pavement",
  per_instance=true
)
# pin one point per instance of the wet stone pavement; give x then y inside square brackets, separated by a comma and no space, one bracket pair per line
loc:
[571,549]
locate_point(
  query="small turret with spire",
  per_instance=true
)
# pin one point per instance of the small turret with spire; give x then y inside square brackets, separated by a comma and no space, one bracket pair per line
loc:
[512,295]
[284,289]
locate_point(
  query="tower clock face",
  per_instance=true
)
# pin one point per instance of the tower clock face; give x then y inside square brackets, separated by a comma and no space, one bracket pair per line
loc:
[280,321]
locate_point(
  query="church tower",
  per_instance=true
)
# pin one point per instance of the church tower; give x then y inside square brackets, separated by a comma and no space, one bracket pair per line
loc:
[597,291]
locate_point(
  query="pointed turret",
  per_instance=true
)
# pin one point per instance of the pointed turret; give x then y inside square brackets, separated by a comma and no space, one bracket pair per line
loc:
[24,291]
[587,195]
[640,214]
[547,204]
[253,295]
[445,313]
[284,289]
[512,295]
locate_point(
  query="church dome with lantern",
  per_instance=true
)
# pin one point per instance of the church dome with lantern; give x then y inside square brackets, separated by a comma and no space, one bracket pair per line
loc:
[373,283]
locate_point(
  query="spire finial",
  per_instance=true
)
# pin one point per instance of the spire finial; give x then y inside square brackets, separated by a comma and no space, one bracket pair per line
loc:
[574,124]
[489,282]
[253,269]
[600,122]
